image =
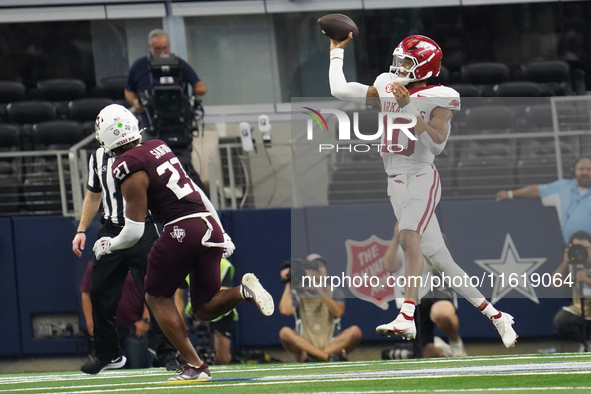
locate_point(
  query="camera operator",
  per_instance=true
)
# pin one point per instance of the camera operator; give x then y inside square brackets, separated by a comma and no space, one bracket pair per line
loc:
[569,322]
[317,311]
[140,79]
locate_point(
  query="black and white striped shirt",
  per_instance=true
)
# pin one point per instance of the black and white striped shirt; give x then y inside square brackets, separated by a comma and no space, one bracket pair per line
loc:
[100,180]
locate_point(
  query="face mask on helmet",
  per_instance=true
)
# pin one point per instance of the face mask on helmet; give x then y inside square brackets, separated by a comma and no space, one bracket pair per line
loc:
[416,58]
[115,126]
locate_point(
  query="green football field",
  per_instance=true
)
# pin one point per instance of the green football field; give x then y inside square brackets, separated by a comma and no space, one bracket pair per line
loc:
[552,373]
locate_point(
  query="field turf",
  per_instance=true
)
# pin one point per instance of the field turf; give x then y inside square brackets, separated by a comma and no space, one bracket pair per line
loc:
[548,373]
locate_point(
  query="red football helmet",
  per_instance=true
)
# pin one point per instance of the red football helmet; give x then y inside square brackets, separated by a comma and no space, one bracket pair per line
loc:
[418,56]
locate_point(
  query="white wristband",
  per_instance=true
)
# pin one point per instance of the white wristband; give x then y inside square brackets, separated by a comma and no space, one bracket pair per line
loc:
[510,194]
[411,109]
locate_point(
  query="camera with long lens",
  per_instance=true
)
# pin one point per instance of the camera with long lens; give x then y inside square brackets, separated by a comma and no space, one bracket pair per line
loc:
[298,269]
[171,111]
[578,256]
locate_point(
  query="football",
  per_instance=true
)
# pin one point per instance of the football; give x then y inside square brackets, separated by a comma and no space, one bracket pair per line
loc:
[337,26]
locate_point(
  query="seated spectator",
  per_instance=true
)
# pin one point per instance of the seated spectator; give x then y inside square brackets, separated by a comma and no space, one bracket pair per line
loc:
[317,311]
[132,321]
[435,307]
[568,322]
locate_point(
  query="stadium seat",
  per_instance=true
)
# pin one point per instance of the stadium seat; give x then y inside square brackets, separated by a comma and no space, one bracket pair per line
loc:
[61,89]
[554,75]
[9,137]
[11,91]
[61,92]
[467,90]
[112,87]
[489,119]
[86,110]
[27,112]
[518,89]
[487,75]
[56,134]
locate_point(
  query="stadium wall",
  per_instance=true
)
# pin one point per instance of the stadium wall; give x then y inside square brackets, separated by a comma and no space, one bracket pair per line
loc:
[40,275]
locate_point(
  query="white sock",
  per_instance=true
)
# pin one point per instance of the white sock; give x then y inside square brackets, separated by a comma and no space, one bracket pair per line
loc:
[490,311]
[408,310]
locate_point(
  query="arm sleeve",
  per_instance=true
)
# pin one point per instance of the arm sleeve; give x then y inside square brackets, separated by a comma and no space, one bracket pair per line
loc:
[339,87]
[131,233]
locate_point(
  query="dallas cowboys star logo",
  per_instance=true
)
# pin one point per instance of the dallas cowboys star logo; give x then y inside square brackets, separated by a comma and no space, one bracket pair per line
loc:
[511,263]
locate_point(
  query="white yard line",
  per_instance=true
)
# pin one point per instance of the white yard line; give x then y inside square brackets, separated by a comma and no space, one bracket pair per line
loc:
[570,368]
[290,367]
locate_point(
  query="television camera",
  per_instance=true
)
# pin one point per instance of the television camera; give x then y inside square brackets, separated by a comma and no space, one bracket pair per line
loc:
[173,115]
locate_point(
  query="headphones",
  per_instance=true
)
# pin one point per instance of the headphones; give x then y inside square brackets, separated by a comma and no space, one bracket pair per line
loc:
[574,164]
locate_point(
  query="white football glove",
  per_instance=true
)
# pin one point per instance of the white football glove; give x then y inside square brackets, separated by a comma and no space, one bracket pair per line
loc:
[229,246]
[102,247]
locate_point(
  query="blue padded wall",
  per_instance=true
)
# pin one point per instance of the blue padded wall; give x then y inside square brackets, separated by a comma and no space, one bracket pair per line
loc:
[47,278]
[40,274]
[10,342]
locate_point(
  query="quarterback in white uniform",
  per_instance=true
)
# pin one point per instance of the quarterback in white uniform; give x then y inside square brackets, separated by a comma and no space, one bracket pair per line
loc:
[414,187]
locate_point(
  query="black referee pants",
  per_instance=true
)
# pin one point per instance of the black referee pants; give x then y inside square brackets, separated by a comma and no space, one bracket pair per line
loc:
[106,286]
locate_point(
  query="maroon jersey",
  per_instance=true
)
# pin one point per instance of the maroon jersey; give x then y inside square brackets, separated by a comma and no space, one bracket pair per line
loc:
[171,194]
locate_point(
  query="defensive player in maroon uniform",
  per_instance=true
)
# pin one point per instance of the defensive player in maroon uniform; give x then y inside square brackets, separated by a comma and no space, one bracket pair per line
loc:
[192,242]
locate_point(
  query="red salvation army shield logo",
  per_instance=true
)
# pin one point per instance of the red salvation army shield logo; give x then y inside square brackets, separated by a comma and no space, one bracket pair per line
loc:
[366,269]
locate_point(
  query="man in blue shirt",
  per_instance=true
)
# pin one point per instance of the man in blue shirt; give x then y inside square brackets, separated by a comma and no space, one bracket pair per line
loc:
[570,197]
[140,78]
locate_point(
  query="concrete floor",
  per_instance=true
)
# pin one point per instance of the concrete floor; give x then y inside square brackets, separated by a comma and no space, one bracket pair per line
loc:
[370,351]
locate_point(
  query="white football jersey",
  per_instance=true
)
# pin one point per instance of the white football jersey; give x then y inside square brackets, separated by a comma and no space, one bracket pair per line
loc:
[414,154]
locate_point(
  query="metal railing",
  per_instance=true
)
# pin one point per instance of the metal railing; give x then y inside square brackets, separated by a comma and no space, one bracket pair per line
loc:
[475,164]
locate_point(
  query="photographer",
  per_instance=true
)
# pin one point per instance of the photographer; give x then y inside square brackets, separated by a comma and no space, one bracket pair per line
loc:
[140,80]
[317,312]
[568,322]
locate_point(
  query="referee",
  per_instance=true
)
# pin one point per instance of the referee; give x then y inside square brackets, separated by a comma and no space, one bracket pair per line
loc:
[109,273]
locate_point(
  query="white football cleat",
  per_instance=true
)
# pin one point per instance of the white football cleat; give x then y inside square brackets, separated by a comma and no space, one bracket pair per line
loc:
[443,346]
[457,348]
[507,333]
[255,293]
[399,326]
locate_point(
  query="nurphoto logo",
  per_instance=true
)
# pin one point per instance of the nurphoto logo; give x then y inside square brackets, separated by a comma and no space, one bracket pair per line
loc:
[398,129]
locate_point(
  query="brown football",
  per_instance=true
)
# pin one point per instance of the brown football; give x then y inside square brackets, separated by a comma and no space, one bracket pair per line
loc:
[337,26]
